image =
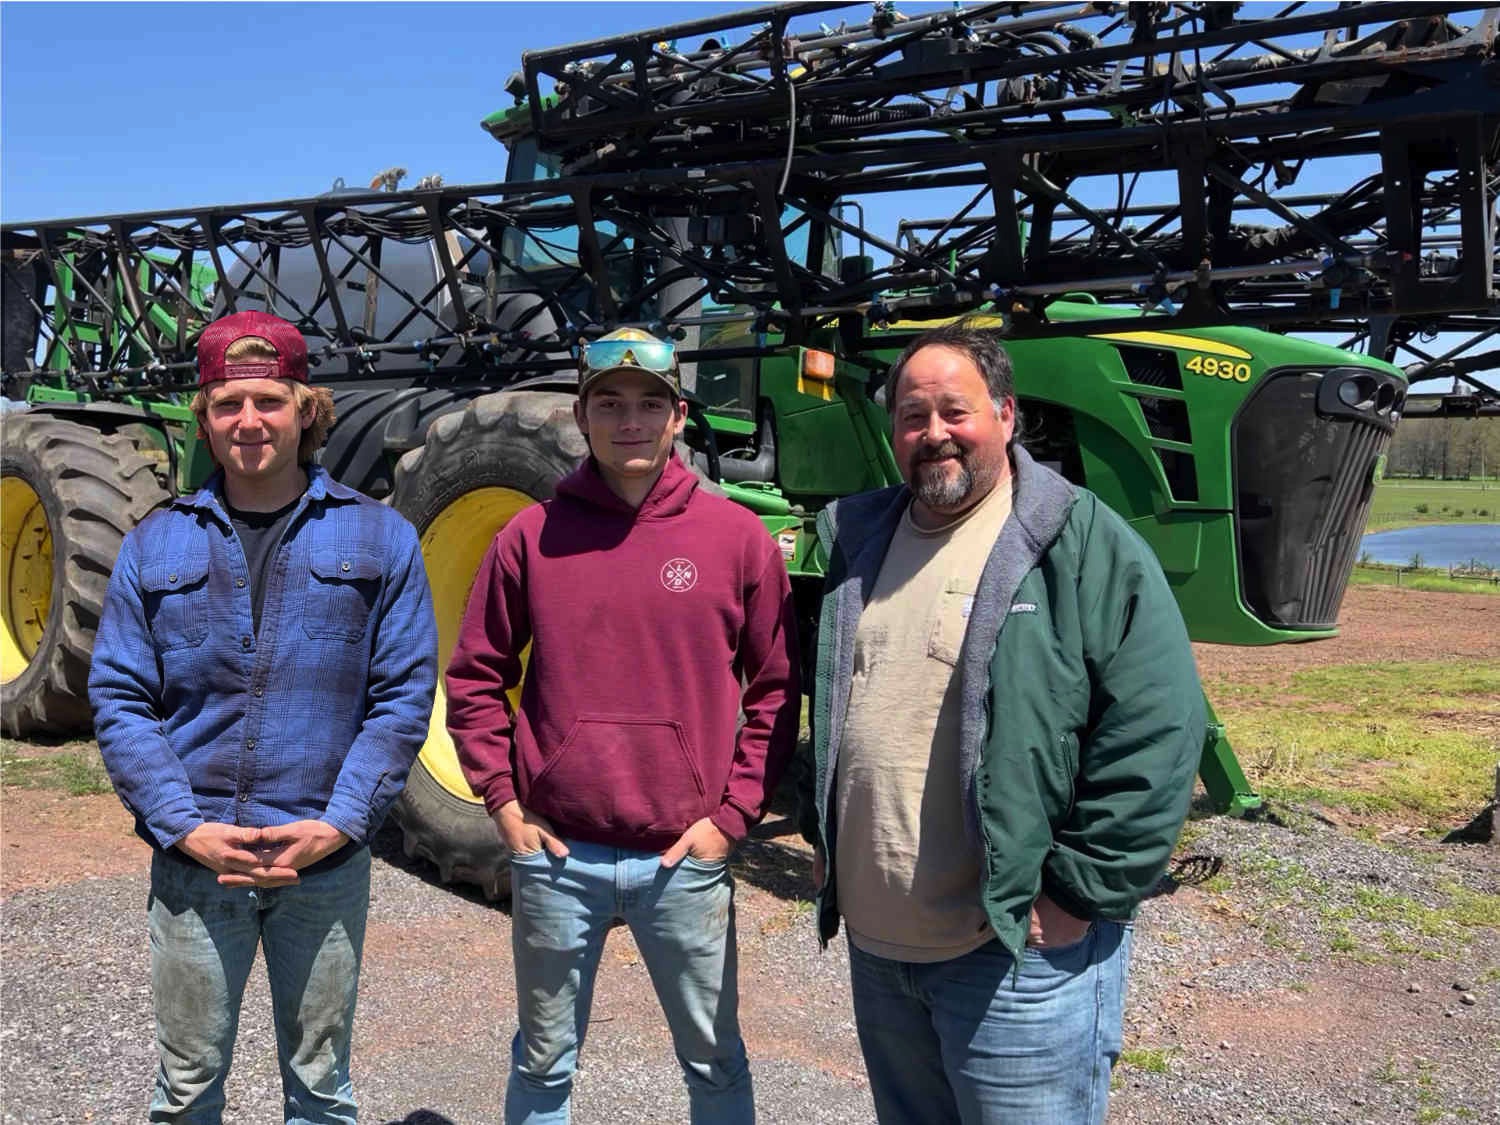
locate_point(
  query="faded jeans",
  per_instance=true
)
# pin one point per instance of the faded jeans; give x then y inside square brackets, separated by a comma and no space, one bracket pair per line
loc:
[682,919]
[969,1041]
[203,943]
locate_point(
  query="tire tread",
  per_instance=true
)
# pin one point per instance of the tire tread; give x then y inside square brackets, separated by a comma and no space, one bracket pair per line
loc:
[524,440]
[95,487]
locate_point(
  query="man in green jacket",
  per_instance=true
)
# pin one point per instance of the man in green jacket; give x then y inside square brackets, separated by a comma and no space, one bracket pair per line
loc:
[1006,724]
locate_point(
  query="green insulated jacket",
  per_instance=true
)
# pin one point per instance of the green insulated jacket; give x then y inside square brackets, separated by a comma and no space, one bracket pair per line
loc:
[1082,717]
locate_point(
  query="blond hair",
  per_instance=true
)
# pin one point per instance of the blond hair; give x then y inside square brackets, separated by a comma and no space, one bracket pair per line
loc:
[253,348]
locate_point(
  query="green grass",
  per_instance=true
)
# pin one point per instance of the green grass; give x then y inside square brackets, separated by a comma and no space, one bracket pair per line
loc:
[1415,742]
[1377,746]
[1431,580]
[1397,945]
[1473,908]
[1191,833]
[1152,1060]
[1217,884]
[1362,923]
[1343,941]
[78,772]
[1408,503]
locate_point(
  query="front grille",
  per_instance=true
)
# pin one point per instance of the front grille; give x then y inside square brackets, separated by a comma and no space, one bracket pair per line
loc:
[1151,367]
[1166,418]
[1304,463]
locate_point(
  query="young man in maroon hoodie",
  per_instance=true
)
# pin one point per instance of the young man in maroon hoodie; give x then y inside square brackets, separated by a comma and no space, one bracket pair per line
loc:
[656,613]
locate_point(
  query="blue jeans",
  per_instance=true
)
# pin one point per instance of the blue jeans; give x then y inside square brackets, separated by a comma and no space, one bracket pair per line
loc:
[203,942]
[969,1041]
[682,919]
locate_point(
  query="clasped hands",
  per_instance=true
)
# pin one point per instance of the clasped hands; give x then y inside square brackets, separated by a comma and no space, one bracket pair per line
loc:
[261,857]
[526,833]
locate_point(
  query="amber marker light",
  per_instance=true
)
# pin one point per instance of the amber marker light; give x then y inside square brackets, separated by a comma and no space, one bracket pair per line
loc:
[817,365]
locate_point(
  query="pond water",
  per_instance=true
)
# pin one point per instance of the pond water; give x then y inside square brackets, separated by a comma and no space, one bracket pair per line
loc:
[1439,544]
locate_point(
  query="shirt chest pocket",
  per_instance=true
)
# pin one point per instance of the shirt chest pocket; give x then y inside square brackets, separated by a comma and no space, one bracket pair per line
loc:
[951,620]
[341,590]
[176,598]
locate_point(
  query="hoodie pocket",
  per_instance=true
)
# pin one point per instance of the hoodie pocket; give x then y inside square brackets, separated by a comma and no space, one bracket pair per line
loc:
[622,774]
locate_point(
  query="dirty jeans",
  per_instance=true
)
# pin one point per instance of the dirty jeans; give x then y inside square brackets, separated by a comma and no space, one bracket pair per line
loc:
[968,1041]
[682,919]
[203,942]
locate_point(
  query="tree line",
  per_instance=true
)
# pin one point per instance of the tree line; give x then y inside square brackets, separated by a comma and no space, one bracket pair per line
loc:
[1445,448]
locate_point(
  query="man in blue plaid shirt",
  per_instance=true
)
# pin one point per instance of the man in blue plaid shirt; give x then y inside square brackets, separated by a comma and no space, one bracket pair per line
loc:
[262,680]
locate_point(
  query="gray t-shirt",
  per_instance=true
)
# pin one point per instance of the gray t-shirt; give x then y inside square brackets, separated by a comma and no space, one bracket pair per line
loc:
[908,875]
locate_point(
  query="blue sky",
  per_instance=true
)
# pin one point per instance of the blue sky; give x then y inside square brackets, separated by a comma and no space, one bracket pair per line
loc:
[115,108]
[110,108]
[106,108]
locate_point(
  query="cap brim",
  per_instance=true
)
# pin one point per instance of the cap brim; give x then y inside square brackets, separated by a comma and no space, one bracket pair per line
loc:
[666,379]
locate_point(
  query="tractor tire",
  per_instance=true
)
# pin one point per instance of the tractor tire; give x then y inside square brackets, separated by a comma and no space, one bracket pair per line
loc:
[366,420]
[477,469]
[69,494]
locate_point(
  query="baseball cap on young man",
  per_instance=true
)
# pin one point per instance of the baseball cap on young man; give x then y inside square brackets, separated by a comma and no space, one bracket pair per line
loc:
[290,361]
[629,349]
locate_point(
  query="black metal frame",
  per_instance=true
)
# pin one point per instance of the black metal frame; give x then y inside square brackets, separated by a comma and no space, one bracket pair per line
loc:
[707,161]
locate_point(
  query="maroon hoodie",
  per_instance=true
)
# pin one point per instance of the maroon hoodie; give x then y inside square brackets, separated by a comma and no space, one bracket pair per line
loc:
[643,624]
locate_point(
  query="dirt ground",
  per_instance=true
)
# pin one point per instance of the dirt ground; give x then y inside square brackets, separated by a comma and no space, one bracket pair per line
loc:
[1302,1032]
[1377,624]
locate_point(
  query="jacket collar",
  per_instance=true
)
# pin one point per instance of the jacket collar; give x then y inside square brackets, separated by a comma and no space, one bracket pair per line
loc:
[863,525]
[1042,499]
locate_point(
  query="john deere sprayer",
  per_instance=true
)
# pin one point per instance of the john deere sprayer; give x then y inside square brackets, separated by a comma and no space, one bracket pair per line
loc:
[1145,200]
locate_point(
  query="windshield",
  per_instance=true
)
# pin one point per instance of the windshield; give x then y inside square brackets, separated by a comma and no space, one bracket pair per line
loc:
[526,164]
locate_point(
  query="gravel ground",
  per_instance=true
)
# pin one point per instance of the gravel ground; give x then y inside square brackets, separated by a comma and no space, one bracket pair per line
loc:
[1261,1021]
[1233,985]
[1289,970]
[436,1009]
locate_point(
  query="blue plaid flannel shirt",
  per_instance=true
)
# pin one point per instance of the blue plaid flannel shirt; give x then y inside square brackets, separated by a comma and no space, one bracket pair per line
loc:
[318,717]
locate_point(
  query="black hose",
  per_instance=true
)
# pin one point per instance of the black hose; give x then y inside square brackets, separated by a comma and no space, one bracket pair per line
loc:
[884,115]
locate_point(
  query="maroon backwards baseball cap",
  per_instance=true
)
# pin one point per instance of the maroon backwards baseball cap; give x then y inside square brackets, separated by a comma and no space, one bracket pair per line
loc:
[291,349]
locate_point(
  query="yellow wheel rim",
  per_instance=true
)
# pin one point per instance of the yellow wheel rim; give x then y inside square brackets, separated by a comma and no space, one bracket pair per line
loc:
[26,581]
[453,547]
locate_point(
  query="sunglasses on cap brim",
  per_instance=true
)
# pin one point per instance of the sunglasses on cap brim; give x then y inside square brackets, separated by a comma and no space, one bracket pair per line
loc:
[648,355]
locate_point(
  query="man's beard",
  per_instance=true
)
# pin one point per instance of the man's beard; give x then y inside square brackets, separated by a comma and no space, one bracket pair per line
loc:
[931,482]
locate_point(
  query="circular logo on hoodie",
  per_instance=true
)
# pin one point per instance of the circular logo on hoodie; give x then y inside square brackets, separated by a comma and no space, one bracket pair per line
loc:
[679,575]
